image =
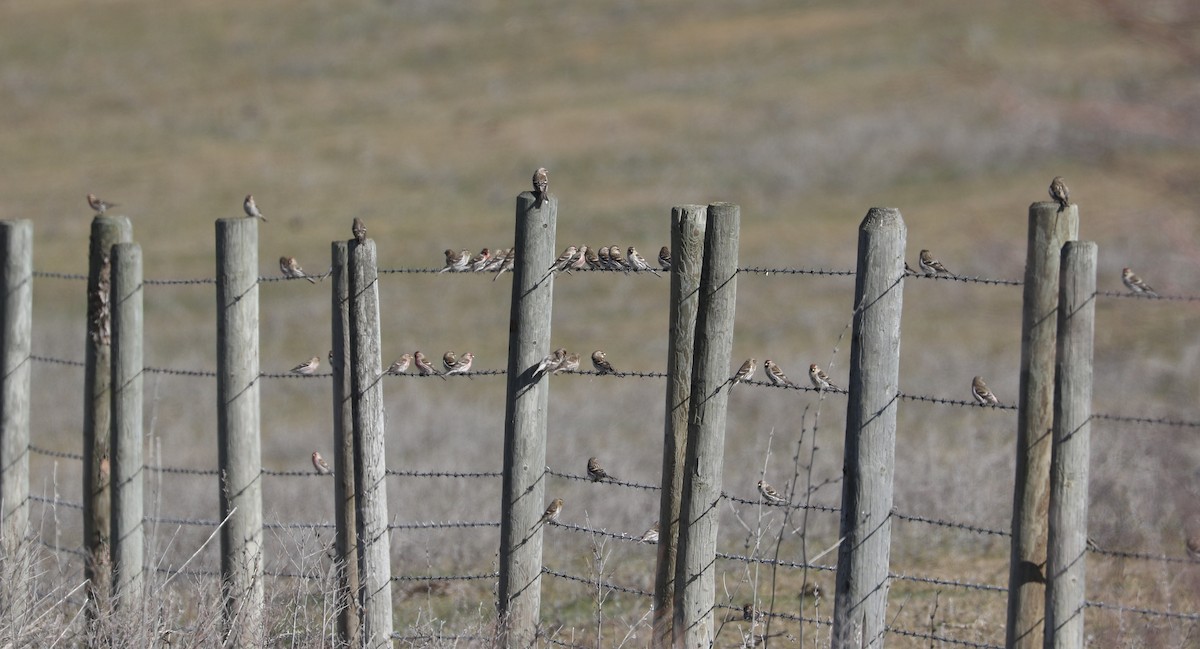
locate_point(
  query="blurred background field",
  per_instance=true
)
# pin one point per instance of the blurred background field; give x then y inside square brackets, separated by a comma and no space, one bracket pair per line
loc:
[427,118]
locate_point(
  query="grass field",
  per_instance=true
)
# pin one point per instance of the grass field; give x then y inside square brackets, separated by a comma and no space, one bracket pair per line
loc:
[426,119]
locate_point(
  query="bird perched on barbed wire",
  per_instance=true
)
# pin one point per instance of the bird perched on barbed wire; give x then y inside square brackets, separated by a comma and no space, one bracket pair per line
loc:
[308,367]
[552,511]
[617,260]
[650,535]
[400,366]
[507,263]
[479,261]
[541,182]
[597,472]
[424,367]
[291,269]
[570,363]
[563,261]
[604,258]
[931,266]
[251,208]
[1060,193]
[592,259]
[580,261]
[359,230]
[638,263]
[462,365]
[600,362]
[100,206]
[456,262]
[982,394]
[769,494]
[1135,283]
[664,258]
[776,375]
[320,464]
[751,614]
[820,379]
[448,360]
[551,361]
[744,373]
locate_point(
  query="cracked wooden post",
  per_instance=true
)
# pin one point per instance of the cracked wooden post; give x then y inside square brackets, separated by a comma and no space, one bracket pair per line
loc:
[1049,229]
[860,604]
[524,488]
[128,537]
[344,503]
[238,432]
[16,335]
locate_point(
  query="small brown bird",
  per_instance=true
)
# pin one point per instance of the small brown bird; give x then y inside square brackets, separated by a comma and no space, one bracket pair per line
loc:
[931,266]
[401,365]
[1135,283]
[552,512]
[100,206]
[604,258]
[664,258]
[456,262]
[308,367]
[597,472]
[581,260]
[650,535]
[251,208]
[424,367]
[593,259]
[448,360]
[359,229]
[564,260]
[820,379]
[551,361]
[982,394]
[746,371]
[1059,192]
[570,363]
[462,365]
[479,261]
[291,269]
[600,362]
[776,375]
[616,259]
[750,614]
[507,263]
[320,465]
[541,181]
[769,494]
[637,262]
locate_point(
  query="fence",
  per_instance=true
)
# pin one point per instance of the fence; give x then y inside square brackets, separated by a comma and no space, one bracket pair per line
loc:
[1050,470]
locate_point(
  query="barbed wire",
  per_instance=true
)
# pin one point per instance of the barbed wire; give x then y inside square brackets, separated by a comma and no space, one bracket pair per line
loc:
[593,582]
[937,638]
[1105,606]
[583,529]
[913,518]
[63,454]
[938,581]
[486,575]
[425,638]
[57,502]
[1143,296]
[436,525]
[801,506]
[757,270]
[1139,556]
[613,481]
[443,474]
[779,615]
[1155,421]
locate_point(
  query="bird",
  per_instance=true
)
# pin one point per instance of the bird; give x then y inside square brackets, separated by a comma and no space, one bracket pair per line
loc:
[251,208]
[400,366]
[1060,193]
[593,259]
[597,472]
[570,363]
[982,394]
[424,367]
[616,259]
[320,465]
[448,360]
[507,263]
[551,361]
[820,379]
[540,182]
[746,371]
[463,364]
[581,260]
[636,262]
[292,270]
[769,494]
[751,614]
[650,535]
[100,206]
[664,258]
[552,511]
[563,261]
[600,362]
[456,262]
[308,367]
[604,258]
[1193,547]
[1135,283]
[495,261]
[931,266]
[359,230]
[480,260]
[776,375]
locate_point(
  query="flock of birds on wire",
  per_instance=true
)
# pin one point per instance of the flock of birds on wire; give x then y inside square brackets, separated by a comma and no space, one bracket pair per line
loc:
[610,258]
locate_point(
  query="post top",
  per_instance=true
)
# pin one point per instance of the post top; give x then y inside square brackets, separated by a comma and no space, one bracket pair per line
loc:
[882,218]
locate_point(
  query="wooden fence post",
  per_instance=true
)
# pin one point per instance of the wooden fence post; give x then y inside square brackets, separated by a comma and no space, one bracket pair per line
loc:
[519,601]
[860,605]
[97,404]
[1066,562]
[371,465]
[346,541]
[238,431]
[126,443]
[1049,229]
[16,335]
[688,223]
[695,584]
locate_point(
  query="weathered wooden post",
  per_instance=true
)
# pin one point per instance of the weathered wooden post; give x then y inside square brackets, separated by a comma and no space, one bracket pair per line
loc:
[126,444]
[1067,547]
[16,335]
[238,431]
[344,507]
[1049,229]
[860,605]
[524,488]
[688,223]
[695,583]
[97,403]
[371,468]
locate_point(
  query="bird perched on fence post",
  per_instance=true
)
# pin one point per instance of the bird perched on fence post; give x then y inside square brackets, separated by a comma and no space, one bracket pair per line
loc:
[100,206]
[982,394]
[251,208]
[541,181]
[359,229]
[1060,193]
[1135,283]
[291,269]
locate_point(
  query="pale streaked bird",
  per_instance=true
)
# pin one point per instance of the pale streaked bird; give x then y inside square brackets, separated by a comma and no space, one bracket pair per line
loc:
[551,362]
[541,182]
[1135,283]
[769,494]
[581,261]
[637,262]
[480,260]
[604,259]
[650,535]
[600,362]
[664,258]
[400,366]
[570,363]
[746,371]
[617,259]
[448,360]
[931,266]
[100,206]
[564,260]
[597,472]
[359,230]
[552,511]
[320,465]
[982,394]
[291,269]
[593,259]
[1060,193]
[819,378]
[251,208]
[456,262]
[506,264]
[462,365]
[776,375]
[309,366]
[424,367]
